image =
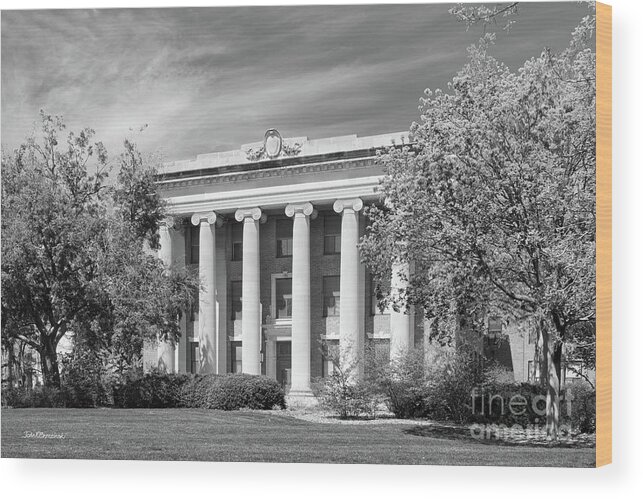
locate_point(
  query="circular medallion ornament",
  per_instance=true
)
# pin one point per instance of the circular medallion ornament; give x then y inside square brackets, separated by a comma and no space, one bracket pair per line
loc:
[272,143]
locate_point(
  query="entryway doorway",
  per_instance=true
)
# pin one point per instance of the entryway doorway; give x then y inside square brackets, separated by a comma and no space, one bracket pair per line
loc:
[284,363]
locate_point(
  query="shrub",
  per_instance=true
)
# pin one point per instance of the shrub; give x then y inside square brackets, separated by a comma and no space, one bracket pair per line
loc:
[341,392]
[401,383]
[451,377]
[195,391]
[82,381]
[583,407]
[152,390]
[39,396]
[345,398]
[492,403]
[211,391]
[231,392]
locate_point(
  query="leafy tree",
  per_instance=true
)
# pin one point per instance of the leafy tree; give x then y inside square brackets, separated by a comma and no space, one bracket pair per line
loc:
[137,199]
[481,14]
[71,260]
[495,199]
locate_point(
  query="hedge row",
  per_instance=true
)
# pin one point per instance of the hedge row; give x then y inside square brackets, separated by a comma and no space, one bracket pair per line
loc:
[152,390]
[225,392]
[40,396]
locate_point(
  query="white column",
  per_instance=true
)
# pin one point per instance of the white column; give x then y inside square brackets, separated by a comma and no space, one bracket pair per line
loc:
[401,319]
[165,349]
[207,291]
[351,342]
[300,381]
[222,297]
[178,259]
[250,291]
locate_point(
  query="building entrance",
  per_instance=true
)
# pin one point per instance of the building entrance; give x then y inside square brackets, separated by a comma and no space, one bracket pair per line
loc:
[284,353]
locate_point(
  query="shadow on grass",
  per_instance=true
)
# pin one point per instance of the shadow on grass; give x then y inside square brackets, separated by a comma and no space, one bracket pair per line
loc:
[464,434]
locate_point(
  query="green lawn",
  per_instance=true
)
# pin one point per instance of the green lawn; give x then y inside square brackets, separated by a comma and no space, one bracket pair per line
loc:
[192,434]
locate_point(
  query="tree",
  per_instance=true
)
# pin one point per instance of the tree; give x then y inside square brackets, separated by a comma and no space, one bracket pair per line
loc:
[495,199]
[71,259]
[137,199]
[481,14]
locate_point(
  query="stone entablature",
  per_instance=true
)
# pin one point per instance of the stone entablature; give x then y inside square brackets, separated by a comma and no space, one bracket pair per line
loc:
[295,148]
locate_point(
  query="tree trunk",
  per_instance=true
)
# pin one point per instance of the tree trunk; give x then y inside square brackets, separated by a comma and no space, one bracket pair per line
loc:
[540,360]
[11,361]
[49,362]
[552,353]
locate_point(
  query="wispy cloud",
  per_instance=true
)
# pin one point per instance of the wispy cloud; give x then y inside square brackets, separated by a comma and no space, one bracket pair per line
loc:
[212,79]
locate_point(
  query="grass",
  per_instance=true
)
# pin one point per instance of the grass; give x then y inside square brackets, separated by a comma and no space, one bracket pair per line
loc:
[194,434]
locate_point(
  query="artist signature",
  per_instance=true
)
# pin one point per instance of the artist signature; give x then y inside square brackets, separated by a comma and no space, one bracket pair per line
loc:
[42,434]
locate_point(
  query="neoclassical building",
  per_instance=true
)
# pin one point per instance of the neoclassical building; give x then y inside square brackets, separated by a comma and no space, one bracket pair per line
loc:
[273,228]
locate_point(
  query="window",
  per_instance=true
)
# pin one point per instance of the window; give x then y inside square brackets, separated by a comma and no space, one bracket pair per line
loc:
[332,234]
[194,357]
[194,245]
[283,298]
[284,237]
[235,356]
[331,295]
[237,242]
[235,300]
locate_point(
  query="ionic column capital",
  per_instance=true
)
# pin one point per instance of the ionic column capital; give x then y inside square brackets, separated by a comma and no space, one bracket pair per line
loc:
[170,222]
[354,204]
[254,213]
[209,217]
[305,209]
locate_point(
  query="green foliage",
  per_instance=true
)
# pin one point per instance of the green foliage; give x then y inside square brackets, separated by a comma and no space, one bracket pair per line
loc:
[583,406]
[345,398]
[73,255]
[83,380]
[495,199]
[224,392]
[408,386]
[233,391]
[402,383]
[39,396]
[343,391]
[143,299]
[451,376]
[152,390]
[492,403]
[471,15]
[137,199]
[52,225]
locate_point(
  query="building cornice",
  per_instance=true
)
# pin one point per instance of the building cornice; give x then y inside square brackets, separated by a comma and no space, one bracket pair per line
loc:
[317,193]
[223,178]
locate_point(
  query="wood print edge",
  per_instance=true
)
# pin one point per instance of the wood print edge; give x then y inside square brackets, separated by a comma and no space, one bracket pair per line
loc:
[603,234]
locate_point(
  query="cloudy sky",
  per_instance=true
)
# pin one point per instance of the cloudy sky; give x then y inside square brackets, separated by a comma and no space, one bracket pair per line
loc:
[211,79]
